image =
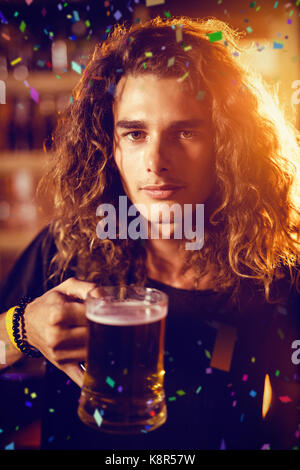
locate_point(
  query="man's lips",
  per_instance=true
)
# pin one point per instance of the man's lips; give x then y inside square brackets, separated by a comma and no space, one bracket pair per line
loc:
[161,191]
[161,187]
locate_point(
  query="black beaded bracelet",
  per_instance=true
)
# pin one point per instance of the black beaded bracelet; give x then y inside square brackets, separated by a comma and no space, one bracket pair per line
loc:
[19,332]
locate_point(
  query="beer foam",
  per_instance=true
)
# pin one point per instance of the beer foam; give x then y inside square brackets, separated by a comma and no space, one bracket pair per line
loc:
[121,315]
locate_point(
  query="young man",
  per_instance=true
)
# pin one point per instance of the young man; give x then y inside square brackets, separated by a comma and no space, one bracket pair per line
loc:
[181,122]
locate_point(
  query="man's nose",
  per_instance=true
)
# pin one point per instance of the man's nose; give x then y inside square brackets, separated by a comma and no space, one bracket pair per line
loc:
[157,157]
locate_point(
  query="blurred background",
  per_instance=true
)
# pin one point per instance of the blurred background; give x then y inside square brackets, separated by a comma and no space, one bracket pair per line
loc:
[44,48]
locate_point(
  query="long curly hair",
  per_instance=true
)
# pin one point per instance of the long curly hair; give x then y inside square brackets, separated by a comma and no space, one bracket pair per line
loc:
[252,217]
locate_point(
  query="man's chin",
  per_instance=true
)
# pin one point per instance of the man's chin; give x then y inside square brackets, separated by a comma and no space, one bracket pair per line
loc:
[165,230]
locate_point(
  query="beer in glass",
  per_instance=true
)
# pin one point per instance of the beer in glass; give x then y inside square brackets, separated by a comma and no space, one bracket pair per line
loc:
[123,388]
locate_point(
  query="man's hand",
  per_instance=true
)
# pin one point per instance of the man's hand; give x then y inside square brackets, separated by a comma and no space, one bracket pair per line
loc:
[57,326]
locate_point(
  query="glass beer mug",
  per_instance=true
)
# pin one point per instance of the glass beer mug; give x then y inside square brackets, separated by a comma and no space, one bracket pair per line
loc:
[123,390]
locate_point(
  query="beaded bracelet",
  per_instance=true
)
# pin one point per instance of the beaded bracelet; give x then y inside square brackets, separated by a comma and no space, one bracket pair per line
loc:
[19,332]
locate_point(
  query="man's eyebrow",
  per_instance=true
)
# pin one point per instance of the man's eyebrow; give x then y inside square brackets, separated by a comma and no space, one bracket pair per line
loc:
[190,123]
[126,124]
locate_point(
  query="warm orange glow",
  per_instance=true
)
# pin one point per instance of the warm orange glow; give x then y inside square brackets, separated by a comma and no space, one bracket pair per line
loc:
[267,398]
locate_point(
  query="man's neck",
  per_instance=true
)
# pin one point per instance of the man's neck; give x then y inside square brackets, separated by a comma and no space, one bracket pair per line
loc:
[166,261]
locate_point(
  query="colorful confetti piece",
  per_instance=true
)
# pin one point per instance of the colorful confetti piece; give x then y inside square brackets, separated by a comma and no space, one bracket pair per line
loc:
[3,19]
[217,36]
[97,417]
[110,381]
[282,309]
[22,26]
[277,45]
[10,446]
[223,445]
[280,333]
[151,3]
[76,67]
[16,61]
[34,94]
[5,36]
[223,348]
[76,16]
[285,399]
[178,34]
[207,353]
[117,15]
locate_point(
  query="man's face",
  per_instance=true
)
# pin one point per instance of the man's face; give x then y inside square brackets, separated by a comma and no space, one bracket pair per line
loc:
[162,137]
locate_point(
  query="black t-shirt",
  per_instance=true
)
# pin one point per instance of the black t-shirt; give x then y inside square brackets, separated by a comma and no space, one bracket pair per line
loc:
[208,407]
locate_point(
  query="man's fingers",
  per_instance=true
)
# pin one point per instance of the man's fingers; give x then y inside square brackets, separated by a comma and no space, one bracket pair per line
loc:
[69,355]
[75,288]
[73,370]
[73,339]
[67,313]
[71,314]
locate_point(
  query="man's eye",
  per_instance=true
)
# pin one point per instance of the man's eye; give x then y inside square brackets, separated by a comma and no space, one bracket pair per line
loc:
[134,135]
[187,134]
